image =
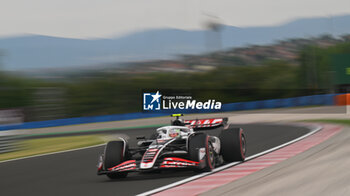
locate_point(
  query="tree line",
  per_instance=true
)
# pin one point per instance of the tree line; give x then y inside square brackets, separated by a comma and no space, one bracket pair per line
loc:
[112,93]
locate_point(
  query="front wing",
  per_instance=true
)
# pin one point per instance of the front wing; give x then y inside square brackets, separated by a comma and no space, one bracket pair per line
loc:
[134,165]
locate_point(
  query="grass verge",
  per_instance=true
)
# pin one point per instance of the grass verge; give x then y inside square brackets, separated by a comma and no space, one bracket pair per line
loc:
[334,121]
[32,147]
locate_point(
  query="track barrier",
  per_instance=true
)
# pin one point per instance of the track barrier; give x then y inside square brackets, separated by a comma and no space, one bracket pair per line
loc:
[326,99]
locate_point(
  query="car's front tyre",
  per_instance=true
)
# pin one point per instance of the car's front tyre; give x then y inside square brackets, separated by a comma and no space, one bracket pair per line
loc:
[200,142]
[114,155]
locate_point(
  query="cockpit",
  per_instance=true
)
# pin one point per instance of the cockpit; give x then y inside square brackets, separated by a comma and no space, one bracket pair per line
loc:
[173,132]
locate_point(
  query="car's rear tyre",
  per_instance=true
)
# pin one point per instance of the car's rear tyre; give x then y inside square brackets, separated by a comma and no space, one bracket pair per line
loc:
[114,155]
[195,143]
[233,144]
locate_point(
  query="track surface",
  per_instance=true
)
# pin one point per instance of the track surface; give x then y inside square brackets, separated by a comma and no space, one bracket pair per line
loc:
[74,173]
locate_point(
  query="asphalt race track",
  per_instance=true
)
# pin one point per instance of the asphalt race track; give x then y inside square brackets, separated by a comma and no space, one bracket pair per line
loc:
[74,173]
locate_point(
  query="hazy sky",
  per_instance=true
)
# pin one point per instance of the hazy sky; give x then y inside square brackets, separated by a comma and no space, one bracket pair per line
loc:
[109,18]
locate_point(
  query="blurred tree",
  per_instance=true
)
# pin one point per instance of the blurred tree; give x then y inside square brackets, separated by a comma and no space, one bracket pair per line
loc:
[103,93]
[315,66]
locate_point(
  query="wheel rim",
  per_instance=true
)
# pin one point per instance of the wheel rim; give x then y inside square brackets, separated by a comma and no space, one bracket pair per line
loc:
[243,144]
[211,155]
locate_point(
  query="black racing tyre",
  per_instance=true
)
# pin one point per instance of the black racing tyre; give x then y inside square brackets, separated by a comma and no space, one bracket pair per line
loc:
[114,155]
[201,141]
[233,144]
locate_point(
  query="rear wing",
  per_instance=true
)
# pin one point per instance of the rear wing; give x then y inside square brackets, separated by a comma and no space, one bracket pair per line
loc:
[206,123]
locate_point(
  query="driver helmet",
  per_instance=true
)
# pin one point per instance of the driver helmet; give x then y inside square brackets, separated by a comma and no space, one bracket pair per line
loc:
[174,133]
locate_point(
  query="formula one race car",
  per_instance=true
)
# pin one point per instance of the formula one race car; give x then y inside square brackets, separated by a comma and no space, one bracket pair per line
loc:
[184,144]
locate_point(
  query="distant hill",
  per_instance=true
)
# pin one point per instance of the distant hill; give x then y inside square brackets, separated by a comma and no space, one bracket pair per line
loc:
[36,51]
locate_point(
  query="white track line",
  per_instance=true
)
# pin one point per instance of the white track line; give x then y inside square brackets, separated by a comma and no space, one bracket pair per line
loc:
[316,129]
[51,153]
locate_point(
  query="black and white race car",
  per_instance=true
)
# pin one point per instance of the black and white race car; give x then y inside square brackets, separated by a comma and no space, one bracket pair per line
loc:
[183,144]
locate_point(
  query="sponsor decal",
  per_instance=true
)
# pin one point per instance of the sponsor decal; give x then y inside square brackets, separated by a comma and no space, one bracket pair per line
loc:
[178,162]
[204,122]
[157,101]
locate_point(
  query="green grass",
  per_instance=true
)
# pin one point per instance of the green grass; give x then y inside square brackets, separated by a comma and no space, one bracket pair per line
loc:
[334,121]
[47,145]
